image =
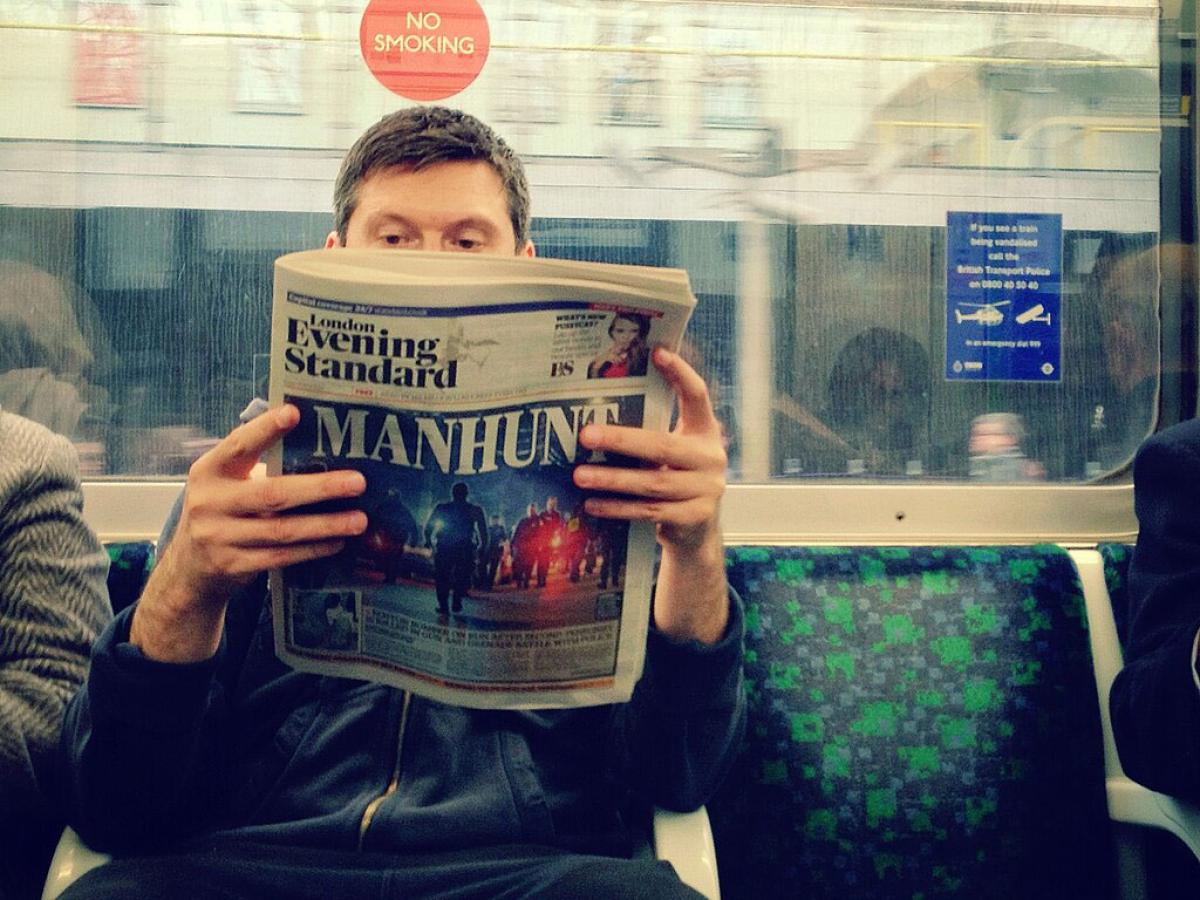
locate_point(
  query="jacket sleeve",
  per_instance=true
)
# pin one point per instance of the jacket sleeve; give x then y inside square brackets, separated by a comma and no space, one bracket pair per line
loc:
[144,742]
[141,746]
[1155,702]
[683,726]
[53,603]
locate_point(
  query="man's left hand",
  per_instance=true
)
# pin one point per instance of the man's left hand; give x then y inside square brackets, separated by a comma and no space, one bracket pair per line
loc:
[679,489]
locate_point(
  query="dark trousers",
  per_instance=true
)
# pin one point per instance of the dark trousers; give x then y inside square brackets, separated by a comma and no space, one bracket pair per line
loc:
[242,871]
[522,568]
[493,566]
[543,566]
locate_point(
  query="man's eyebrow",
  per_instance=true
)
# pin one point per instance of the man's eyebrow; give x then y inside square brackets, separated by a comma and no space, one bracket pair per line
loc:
[378,219]
[482,224]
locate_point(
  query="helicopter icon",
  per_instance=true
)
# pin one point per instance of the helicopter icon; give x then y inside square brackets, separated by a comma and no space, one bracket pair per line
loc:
[985,313]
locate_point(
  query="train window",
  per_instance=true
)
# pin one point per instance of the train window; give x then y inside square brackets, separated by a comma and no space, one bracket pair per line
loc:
[941,246]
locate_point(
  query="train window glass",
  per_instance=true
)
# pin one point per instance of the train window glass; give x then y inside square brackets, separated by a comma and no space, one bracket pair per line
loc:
[630,86]
[806,164]
[527,90]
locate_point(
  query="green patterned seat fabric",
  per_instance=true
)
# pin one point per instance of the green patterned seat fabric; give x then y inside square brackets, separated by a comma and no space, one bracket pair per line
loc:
[129,564]
[923,723]
[1116,575]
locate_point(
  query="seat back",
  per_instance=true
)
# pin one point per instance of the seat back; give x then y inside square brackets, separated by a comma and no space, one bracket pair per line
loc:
[1116,576]
[130,563]
[923,723]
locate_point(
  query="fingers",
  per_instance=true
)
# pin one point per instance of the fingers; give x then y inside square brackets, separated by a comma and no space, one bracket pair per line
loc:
[238,453]
[206,573]
[681,492]
[687,514]
[280,531]
[677,501]
[234,526]
[242,563]
[677,450]
[286,492]
[694,443]
[228,533]
[680,485]
[660,483]
[227,518]
[695,408]
[280,557]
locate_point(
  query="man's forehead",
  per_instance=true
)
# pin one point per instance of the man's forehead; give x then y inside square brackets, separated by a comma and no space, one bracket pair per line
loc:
[479,173]
[459,189]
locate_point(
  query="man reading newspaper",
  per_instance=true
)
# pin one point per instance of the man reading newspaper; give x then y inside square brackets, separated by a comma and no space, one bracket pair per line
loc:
[210,769]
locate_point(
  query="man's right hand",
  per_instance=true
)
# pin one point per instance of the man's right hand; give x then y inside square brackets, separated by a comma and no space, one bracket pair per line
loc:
[232,528]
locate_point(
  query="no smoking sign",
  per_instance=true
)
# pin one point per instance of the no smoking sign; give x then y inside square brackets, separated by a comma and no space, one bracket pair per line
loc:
[424,49]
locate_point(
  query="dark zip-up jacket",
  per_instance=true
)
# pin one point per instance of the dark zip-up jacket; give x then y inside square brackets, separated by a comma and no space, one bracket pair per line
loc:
[242,746]
[1155,701]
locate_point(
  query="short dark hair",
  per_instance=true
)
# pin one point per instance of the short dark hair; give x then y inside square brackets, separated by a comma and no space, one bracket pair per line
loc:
[422,136]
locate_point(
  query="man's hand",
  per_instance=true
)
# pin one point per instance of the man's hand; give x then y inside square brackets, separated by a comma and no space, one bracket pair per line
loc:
[232,528]
[679,489]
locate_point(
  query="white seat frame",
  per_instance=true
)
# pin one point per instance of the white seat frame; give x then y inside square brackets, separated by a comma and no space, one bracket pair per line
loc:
[1129,803]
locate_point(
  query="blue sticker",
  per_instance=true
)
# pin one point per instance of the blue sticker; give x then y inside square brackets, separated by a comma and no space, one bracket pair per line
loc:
[1003,296]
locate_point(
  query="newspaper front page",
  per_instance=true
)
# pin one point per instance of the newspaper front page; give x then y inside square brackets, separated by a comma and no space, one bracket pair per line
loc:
[458,386]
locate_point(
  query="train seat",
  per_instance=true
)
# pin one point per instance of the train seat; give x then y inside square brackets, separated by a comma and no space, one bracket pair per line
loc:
[923,723]
[1158,836]
[1116,558]
[129,564]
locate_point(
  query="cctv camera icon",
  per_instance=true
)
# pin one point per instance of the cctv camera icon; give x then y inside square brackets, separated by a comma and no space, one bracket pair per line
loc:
[1034,314]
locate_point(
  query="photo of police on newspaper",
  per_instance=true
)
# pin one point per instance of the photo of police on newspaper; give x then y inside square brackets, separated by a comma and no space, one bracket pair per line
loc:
[475,525]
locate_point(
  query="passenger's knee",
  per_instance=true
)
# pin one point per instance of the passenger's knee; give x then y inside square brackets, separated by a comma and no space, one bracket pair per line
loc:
[146,879]
[621,878]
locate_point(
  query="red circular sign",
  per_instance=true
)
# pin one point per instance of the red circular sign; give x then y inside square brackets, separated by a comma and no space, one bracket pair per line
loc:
[424,49]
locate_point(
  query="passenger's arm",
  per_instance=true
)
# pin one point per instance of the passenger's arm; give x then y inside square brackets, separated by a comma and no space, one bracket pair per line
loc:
[683,727]
[141,746]
[53,604]
[679,489]
[144,741]
[1155,702]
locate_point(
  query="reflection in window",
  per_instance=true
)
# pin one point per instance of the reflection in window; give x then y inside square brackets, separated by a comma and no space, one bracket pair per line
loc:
[268,72]
[874,403]
[631,81]
[55,355]
[731,80]
[797,159]
[109,56]
[529,86]
[875,416]
[1041,104]
[1120,323]
[997,450]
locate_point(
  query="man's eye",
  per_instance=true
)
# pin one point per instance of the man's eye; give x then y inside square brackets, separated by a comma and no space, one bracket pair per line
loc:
[467,244]
[393,240]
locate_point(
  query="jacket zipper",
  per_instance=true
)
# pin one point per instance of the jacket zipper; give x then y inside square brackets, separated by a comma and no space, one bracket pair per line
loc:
[369,812]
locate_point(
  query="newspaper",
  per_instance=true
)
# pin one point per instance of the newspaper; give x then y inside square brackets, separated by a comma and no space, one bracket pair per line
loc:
[458,385]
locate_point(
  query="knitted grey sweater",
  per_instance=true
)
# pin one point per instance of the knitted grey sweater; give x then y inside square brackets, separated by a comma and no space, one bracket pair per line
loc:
[53,603]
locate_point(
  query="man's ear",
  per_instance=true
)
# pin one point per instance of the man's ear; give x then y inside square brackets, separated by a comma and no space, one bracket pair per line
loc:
[331,240]
[529,251]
